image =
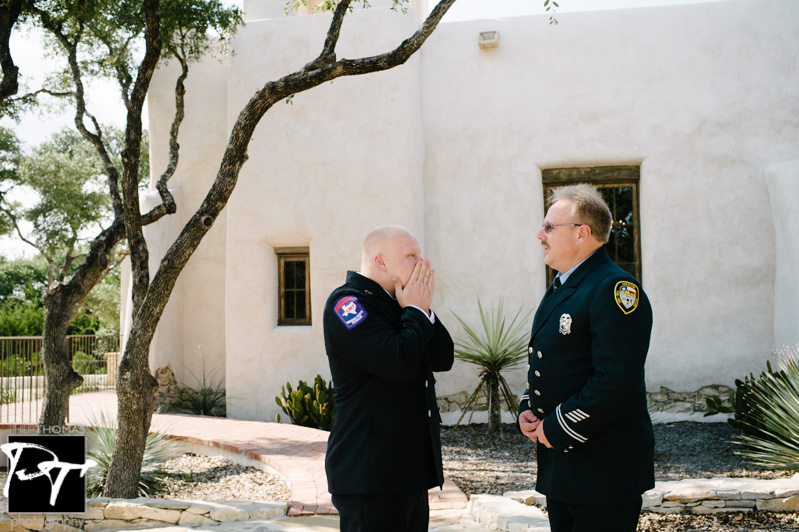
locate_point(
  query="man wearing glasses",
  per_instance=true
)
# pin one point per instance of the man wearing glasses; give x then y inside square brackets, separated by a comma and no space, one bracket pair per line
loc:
[585,403]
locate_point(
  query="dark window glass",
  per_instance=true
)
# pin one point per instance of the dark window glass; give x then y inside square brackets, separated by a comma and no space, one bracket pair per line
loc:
[294,299]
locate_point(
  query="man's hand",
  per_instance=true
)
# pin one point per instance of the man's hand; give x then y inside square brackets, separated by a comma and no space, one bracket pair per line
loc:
[418,291]
[529,423]
[538,435]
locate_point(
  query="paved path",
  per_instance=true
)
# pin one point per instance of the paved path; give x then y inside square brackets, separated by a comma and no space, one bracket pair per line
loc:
[296,452]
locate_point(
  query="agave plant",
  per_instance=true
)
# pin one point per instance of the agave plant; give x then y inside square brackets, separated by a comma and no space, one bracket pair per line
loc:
[101,436]
[498,347]
[775,406]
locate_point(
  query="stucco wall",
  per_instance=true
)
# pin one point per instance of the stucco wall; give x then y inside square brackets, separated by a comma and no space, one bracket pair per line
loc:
[702,96]
[452,146]
[322,170]
[783,188]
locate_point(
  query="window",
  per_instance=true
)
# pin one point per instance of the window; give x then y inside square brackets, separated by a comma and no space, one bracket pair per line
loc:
[294,286]
[619,186]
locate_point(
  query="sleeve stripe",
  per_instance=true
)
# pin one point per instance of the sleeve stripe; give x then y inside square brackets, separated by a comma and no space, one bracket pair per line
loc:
[568,430]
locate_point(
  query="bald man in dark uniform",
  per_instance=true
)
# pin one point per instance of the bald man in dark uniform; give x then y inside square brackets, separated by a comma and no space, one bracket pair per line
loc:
[585,403]
[383,344]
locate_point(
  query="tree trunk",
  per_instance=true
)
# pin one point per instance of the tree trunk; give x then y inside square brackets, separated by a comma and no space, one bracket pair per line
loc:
[494,421]
[60,378]
[136,389]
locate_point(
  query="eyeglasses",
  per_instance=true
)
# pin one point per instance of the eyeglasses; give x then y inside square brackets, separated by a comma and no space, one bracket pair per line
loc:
[548,226]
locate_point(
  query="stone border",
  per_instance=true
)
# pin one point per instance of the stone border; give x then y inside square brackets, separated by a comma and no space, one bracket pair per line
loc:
[105,514]
[520,511]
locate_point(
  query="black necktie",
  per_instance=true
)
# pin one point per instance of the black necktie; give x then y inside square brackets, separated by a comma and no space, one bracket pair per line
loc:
[557,282]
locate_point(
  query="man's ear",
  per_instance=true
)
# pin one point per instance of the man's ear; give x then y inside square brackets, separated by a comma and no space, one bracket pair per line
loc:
[380,262]
[584,233]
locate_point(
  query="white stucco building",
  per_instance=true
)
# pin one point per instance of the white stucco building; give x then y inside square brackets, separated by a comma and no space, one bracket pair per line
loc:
[700,102]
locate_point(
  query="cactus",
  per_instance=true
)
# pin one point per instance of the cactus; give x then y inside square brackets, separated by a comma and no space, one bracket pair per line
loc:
[309,406]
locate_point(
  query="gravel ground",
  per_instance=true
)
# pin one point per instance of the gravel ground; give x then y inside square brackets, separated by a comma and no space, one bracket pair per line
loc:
[480,463]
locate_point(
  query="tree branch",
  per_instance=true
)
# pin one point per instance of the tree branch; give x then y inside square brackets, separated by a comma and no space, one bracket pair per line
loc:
[328,54]
[174,148]
[139,255]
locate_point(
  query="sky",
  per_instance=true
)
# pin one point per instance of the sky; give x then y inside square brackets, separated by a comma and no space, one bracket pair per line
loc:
[104,101]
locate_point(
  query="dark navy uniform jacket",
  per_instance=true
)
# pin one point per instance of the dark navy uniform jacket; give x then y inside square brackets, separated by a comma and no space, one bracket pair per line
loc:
[586,381]
[385,436]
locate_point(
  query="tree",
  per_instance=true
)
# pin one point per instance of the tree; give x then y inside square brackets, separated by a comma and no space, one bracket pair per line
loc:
[114,25]
[99,38]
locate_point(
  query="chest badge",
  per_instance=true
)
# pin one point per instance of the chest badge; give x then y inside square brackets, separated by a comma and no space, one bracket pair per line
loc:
[565,324]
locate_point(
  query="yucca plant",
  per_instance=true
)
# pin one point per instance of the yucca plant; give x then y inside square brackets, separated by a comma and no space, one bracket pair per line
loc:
[101,437]
[775,405]
[498,347]
[208,398]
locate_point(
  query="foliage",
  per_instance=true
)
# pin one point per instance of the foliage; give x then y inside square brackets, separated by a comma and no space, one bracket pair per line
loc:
[330,5]
[101,438]
[21,319]
[22,282]
[772,440]
[86,364]
[497,348]
[742,402]
[307,406]
[19,366]
[208,399]
[22,279]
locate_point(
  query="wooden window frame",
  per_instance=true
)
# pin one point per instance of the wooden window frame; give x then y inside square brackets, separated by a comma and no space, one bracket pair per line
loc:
[295,254]
[601,176]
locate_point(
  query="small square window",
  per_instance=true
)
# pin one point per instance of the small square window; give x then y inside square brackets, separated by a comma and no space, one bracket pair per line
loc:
[294,286]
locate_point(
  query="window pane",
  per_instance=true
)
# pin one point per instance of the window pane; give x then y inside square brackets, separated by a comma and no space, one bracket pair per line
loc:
[621,245]
[288,304]
[299,277]
[288,274]
[300,305]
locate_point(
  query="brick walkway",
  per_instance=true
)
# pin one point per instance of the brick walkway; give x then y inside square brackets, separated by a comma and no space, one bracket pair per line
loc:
[298,453]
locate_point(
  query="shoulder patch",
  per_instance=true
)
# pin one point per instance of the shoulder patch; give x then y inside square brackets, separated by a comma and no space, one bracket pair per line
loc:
[350,311]
[626,296]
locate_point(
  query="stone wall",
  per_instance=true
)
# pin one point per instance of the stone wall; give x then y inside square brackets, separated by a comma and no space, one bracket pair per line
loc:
[664,400]
[106,514]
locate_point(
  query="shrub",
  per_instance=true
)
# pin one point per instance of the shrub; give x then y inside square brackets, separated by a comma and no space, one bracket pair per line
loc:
[208,399]
[84,364]
[497,348]
[741,402]
[307,406]
[773,419]
[102,437]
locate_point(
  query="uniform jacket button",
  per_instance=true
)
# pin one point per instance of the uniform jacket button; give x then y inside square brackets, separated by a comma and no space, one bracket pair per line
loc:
[537,374]
[530,350]
[429,413]
[540,355]
[426,384]
[528,385]
[540,410]
[538,393]
[529,403]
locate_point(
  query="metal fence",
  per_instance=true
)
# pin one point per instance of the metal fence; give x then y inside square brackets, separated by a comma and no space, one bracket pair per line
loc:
[22,381]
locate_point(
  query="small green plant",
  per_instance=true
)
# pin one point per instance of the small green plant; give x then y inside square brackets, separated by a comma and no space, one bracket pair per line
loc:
[101,437]
[208,399]
[309,406]
[497,348]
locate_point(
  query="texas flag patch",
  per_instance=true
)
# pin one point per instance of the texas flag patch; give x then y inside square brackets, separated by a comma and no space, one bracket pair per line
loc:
[350,311]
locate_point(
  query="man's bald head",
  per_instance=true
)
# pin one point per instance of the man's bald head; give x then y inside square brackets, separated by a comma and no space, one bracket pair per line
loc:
[389,251]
